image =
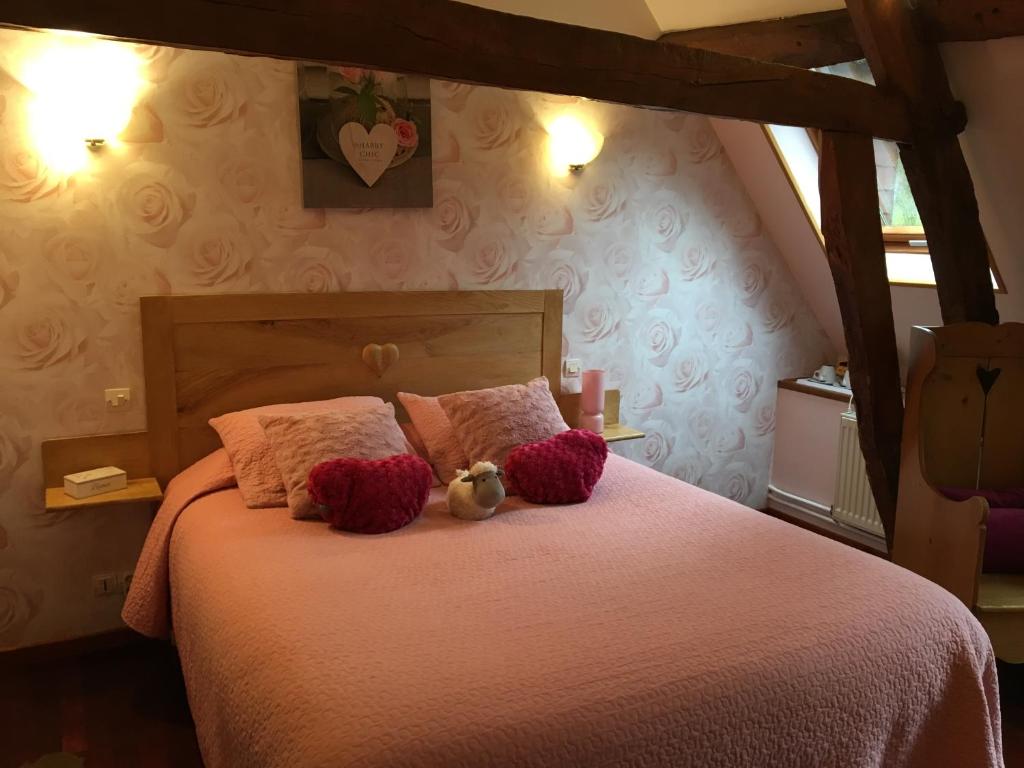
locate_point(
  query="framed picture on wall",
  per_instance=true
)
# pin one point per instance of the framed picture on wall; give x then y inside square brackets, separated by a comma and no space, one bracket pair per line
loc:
[365,138]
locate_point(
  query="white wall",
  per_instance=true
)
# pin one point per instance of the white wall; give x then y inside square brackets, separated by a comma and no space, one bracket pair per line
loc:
[631,17]
[785,220]
[680,14]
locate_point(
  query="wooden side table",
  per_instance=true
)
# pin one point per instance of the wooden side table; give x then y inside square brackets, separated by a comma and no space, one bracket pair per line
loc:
[143,489]
[614,431]
[128,451]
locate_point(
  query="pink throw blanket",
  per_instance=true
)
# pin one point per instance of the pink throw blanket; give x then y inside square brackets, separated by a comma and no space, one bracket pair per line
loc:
[147,609]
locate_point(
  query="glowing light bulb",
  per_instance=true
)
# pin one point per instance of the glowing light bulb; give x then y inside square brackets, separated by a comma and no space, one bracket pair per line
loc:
[83,90]
[572,144]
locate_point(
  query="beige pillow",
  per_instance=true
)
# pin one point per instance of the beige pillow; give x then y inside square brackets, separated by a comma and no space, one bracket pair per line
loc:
[255,470]
[491,422]
[300,442]
[435,429]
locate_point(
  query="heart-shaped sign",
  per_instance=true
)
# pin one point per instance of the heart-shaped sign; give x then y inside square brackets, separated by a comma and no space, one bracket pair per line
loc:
[371,153]
[379,358]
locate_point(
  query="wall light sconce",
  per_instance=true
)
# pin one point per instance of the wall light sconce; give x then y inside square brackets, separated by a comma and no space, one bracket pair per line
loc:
[572,144]
[83,93]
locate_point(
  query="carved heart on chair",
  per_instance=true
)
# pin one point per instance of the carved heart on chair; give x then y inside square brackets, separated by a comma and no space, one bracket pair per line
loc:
[379,358]
[987,378]
[371,153]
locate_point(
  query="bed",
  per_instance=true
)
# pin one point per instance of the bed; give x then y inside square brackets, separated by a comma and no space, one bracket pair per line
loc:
[657,624]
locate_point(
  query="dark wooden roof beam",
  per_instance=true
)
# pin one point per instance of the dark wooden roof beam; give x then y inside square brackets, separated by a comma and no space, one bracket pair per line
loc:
[905,62]
[819,39]
[811,40]
[460,42]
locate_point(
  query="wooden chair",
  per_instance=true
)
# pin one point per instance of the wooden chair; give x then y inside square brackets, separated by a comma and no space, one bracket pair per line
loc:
[954,434]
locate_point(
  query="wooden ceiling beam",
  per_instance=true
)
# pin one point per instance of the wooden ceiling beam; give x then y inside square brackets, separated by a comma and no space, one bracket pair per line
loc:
[460,42]
[819,39]
[952,20]
[904,61]
[852,228]
[809,41]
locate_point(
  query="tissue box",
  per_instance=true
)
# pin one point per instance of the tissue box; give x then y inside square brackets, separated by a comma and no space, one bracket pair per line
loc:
[93,482]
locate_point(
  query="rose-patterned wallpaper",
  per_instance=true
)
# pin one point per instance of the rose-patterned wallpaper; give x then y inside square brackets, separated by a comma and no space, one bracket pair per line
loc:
[670,282]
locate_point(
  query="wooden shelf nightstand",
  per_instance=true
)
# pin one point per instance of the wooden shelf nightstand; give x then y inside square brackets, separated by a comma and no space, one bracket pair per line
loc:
[143,489]
[128,450]
[616,433]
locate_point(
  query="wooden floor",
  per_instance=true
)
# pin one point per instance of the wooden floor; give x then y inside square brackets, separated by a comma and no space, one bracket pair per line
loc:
[117,708]
[126,707]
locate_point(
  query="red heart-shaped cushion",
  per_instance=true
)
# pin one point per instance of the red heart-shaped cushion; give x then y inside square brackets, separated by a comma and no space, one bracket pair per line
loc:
[560,470]
[377,496]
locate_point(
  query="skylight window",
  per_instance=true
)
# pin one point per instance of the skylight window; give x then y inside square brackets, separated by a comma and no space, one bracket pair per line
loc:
[906,246]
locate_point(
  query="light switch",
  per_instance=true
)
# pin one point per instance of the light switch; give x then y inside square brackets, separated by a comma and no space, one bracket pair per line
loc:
[118,397]
[573,368]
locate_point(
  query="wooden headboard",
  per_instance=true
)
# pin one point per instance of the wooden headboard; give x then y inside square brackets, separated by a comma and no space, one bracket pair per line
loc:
[208,355]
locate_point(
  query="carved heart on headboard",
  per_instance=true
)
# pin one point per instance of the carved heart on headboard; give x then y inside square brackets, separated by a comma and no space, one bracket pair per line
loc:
[379,358]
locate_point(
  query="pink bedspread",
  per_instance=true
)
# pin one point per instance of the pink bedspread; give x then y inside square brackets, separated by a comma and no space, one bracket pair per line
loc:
[655,625]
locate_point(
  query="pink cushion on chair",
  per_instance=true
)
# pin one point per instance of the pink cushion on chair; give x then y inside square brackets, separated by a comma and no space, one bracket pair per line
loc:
[1004,541]
[435,429]
[258,479]
[1007,498]
[371,496]
[561,470]
[491,422]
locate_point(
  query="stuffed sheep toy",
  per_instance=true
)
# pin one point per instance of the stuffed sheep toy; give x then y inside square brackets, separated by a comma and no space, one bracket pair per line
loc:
[474,494]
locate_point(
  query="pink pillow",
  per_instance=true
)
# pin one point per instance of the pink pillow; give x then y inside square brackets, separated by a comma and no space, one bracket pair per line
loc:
[561,470]
[247,446]
[299,442]
[491,422]
[412,437]
[371,496]
[438,436]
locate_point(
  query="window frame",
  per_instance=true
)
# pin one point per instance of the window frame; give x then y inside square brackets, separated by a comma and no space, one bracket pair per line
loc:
[895,239]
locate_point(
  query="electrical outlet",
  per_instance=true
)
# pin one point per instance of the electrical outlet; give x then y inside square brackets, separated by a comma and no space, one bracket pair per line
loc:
[573,368]
[126,581]
[105,584]
[119,397]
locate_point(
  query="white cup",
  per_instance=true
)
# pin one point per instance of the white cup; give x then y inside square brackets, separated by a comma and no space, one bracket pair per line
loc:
[826,374]
[846,379]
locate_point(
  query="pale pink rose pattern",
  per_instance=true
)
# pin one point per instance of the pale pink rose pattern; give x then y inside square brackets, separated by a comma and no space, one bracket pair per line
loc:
[153,203]
[455,213]
[669,283]
[24,177]
[312,269]
[602,196]
[563,268]
[552,221]
[665,220]
[14,448]
[20,602]
[9,280]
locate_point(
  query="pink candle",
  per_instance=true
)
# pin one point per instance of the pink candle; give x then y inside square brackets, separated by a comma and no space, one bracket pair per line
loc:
[592,398]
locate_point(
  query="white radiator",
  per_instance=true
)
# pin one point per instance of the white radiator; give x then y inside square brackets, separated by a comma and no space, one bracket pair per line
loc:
[854,505]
